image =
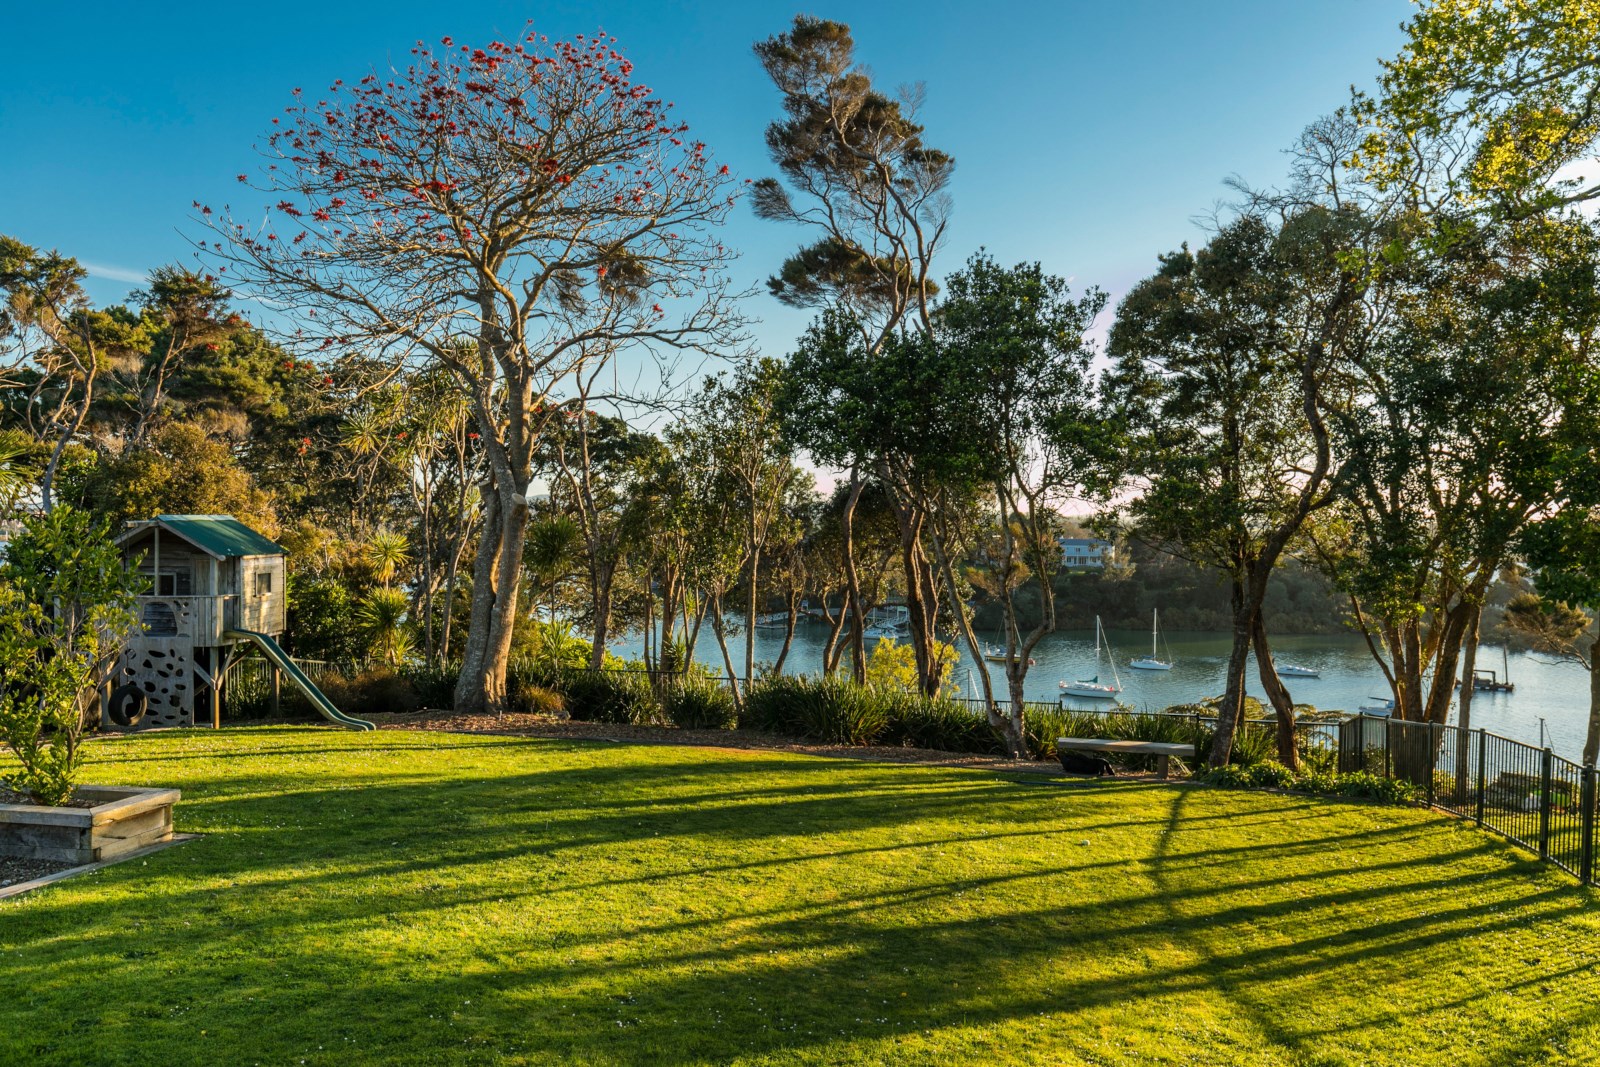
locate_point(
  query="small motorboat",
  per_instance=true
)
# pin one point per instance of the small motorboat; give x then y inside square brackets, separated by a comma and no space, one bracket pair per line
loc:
[1295,670]
[996,654]
[1382,707]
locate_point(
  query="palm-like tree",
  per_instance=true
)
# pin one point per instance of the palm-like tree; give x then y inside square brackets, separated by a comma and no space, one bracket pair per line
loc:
[382,616]
[386,554]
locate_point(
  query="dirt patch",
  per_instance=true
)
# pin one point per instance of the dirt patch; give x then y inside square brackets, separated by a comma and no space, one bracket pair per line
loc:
[13,870]
[529,725]
[11,796]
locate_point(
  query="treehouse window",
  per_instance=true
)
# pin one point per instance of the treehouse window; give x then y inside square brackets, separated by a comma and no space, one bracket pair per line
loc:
[175,583]
[263,583]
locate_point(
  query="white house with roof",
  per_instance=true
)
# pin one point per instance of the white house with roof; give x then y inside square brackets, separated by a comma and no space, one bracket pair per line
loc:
[1084,553]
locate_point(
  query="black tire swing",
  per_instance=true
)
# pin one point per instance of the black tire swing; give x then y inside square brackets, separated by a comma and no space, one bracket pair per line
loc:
[127,705]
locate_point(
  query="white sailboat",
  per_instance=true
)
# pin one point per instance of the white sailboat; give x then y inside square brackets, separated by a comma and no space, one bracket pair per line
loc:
[1093,688]
[1152,662]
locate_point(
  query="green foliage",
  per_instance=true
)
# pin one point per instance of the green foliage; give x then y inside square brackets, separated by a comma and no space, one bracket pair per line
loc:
[699,703]
[374,691]
[532,698]
[830,710]
[944,725]
[381,616]
[619,697]
[183,470]
[66,603]
[322,620]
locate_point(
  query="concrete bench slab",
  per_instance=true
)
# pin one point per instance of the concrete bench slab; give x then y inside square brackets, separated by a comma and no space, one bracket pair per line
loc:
[1162,750]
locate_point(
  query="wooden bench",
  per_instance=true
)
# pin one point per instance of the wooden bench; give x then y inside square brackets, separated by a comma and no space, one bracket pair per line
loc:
[1162,750]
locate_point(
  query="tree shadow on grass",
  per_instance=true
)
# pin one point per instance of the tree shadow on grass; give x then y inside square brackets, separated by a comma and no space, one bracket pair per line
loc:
[675,912]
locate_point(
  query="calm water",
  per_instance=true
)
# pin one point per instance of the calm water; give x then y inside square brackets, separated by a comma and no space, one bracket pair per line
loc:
[1552,693]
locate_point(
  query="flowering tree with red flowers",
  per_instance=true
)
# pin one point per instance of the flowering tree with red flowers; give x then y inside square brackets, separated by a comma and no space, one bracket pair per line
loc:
[506,211]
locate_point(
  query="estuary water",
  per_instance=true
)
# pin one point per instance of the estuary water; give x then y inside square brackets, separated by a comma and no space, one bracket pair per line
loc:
[1550,705]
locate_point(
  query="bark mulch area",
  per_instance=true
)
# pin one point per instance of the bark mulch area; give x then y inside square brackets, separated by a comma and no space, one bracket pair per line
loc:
[529,725]
[14,870]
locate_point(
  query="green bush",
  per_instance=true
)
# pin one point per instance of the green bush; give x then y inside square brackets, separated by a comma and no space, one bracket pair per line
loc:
[531,698]
[944,725]
[374,691]
[610,696]
[435,685]
[698,703]
[830,710]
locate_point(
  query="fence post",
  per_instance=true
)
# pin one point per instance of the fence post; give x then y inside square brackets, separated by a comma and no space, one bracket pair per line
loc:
[1433,759]
[1338,747]
[1586,860]
[1544,803]
[277,690]
[1483,759]
[1389,725]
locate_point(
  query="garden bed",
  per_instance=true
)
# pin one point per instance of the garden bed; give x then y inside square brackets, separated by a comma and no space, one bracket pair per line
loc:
[116,822]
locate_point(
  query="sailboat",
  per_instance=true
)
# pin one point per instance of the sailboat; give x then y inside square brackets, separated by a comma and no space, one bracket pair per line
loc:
[1152,662]
[1093,688]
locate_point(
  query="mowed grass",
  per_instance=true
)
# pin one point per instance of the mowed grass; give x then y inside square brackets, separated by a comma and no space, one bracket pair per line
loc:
[415,898]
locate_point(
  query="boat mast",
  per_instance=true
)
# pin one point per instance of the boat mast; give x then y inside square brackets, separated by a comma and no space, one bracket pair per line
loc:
[1155,623]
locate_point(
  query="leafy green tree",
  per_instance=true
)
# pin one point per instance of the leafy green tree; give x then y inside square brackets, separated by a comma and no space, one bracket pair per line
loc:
[1226,361]
[67,601]
[180,470]
[857,172]
[1013,413]
[1446,462]
[1490,103]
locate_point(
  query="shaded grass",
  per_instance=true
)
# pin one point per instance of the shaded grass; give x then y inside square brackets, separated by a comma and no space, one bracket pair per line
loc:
[433,898]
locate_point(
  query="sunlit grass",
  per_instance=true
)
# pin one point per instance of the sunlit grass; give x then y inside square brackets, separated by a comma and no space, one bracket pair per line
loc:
[432,898]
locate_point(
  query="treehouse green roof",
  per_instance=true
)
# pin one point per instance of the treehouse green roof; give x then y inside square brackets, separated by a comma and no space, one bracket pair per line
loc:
[222,536]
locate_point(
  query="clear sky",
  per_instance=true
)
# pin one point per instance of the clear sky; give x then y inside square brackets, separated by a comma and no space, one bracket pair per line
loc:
[1089,136]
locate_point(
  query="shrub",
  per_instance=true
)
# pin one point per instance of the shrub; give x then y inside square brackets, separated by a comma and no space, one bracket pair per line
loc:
[610,696]
[831,710]
[944,725]
[435,686]
[532,698]
[374,691]
[698,703]
[1375,787]
[66,603]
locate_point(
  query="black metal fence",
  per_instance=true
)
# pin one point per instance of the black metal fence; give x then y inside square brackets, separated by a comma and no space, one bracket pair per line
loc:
[1528,795]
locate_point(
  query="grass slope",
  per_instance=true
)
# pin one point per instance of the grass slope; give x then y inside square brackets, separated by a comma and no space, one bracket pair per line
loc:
[419,898]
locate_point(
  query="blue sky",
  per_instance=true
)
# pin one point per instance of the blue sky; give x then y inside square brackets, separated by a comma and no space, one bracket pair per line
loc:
[1089,136]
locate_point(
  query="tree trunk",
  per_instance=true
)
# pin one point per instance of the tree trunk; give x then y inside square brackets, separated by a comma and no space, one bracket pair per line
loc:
[484,689]
[1231,710]
[470,694]
[1469,665]
[602,621]
[852,588]
[1591,743]
[727,659]
[1277,695]
[750,608]
[788,630]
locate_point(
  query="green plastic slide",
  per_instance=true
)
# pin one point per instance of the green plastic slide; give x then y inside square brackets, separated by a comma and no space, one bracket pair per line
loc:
[280,659]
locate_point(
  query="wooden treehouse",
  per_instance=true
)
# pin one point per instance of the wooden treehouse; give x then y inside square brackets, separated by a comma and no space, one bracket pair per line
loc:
[216,588]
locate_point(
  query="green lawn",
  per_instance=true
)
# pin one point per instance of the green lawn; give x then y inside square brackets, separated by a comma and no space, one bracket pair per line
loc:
[429,898]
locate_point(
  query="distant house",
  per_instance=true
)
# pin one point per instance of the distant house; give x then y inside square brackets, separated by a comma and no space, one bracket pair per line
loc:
[1085,553]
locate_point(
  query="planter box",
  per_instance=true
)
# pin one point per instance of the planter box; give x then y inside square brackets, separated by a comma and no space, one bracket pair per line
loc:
[121,821]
